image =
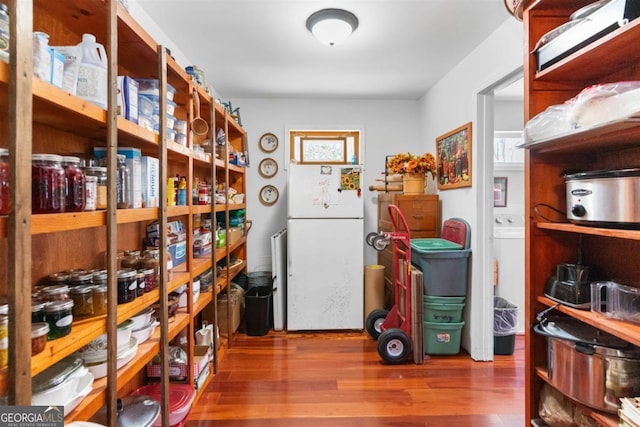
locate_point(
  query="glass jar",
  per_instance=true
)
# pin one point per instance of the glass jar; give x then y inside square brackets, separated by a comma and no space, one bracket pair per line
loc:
[82,297]
[84,278]
[123,183]
[59,316]
[100,277]
[127,285]
[100,172]
[4,32]
[91,183]
[4,341]
[131,259]
[140,282]
[4,172]
[75,185]
[149,279]
[99,300]
[39,333]
[47,185]
[37,311]
[58,279]
[55,293]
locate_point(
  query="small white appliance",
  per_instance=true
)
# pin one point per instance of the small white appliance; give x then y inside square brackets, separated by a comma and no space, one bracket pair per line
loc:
[325,248]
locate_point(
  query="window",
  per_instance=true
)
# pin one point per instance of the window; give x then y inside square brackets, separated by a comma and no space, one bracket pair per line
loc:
[324,147]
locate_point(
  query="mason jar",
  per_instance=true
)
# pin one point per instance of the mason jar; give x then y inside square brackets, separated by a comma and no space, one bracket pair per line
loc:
[75,185]
[47,184]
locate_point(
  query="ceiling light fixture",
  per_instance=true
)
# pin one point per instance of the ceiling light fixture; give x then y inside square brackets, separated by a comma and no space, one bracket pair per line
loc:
[332,26]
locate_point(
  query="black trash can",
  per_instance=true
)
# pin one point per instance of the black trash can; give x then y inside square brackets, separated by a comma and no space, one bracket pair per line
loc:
[505,322]
[257,301]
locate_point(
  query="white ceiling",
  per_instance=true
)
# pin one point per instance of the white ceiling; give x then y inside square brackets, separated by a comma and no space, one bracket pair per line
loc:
[262,49]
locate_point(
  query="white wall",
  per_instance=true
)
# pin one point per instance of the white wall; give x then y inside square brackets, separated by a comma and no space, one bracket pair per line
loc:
[388,127]
[449,104]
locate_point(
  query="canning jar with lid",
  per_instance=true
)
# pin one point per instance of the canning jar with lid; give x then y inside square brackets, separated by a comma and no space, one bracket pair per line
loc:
[131,259]
[82,301]
[37,311]
[55,293]
[4,341]
[100,173]
[83,278]
[91,183]
[75,185]
[59,316]
[123,183]
[39,333]
[127,285]
[149,279]
[99,300]
[4,179]
[60,278]
[99,277]
[47,184]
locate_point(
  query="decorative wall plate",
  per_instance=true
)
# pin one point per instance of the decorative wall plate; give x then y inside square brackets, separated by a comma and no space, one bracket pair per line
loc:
[269,195]
[268,167]
[268,142]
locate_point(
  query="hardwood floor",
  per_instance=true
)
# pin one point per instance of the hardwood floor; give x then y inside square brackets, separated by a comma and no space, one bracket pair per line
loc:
[338,379]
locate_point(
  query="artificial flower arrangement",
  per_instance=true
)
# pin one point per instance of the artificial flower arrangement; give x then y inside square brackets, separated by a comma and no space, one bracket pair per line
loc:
[412,163]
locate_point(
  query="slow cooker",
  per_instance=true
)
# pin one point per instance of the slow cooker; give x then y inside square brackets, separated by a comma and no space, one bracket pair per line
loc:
[604,197]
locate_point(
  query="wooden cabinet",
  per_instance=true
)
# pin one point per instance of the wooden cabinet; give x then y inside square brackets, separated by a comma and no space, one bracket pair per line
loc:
[422,213]
[614,57]
[40,118]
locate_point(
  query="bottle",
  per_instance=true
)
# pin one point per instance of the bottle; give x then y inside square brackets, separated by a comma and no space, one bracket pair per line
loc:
[182,191]
[4,32]
[123,183]
[92,73]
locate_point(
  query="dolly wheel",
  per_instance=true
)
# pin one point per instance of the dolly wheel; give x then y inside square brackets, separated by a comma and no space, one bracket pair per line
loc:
[370,237]
[394,346]
[375,319]
[380,243]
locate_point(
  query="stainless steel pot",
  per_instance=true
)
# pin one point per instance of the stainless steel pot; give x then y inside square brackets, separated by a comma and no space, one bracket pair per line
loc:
[605,197]
[590,366]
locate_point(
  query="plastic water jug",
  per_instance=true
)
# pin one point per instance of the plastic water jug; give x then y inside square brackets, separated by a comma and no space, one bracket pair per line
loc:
[92,73]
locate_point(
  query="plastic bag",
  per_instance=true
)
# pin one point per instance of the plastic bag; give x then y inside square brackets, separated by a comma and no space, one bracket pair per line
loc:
[555,409]
[505,317]
[553,121]
[603,103]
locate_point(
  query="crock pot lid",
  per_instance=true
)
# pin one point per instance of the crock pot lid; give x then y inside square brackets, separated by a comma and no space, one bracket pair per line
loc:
[605,173]
[55,374]
[133,411]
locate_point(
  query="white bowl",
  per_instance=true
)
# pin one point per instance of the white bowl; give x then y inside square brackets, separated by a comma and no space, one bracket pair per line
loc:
[58,395]
[96,350]
[142,319]
[99,367]
[145,333]
[85,385]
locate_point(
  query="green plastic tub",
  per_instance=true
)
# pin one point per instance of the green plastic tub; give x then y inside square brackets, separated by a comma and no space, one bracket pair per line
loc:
[442,338]
[443,313]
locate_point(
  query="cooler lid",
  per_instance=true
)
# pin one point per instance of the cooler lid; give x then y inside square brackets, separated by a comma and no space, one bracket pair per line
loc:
[55,374]
[180,395]
[434,244]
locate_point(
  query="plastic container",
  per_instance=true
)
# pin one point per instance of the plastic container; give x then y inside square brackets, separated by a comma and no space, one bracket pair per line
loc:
[445,272]
[616,301]
[181,398]
[4,169]
[259,278]
[443,313]
[92,72]
[442,300]
[41,56]
[442,338]
[139,411]
[258,304]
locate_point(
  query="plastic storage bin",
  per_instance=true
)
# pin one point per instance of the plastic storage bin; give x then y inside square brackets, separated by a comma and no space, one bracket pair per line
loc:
[444,268]
[442,338]
[443,312]
[505,321]
[258,304]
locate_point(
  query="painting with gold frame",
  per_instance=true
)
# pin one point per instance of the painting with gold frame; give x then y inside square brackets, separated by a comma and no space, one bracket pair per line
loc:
[453,158]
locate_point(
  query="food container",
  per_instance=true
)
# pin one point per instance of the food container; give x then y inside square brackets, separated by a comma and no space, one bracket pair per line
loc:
[96,362]
[133,411]
[616,301]
[37,311]
[127,285]
[100,300]
[589,365]
[144,333]
[39,333]
[58,383]
[59,316]
[142,319]
[55,293]
[82,301]
[180,399]
[48,184]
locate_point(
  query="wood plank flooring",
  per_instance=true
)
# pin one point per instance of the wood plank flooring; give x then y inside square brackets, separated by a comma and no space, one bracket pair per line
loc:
[338,379]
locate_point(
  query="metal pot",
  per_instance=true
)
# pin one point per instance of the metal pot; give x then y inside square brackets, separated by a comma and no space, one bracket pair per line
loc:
[604,197]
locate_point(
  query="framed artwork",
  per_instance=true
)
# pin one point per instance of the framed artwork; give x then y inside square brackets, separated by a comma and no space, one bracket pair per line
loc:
[500,192]
[453,157]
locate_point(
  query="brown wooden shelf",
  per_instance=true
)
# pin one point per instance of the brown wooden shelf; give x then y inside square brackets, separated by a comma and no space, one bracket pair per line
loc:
[204,299]
[201,209]
[595,231]
[200,265]
[173,211]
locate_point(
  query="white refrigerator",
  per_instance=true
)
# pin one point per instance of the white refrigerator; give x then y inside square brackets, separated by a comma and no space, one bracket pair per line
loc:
[325,245]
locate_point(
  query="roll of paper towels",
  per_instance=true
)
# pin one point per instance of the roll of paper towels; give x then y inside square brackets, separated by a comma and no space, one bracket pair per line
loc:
[373,288]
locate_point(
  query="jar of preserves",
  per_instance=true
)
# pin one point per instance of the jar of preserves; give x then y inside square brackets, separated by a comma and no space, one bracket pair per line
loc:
[4,177]
[59,316]
[123,183]
[82,297]
[100,172]
[4,341]
[91,183]
[127,285]
[83,278]
[47,184]
[37,311]
[99,300]
[58,279]
[75,185]
[149,279]
[100,277]
[140,282]
[151,260]
[39,333]
[55,293]
[131,259]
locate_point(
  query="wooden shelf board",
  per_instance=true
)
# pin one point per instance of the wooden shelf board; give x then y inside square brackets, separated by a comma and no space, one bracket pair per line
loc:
[595,231]
[203,300]
[200,265]
[173,211]
[201,209]
[203,159]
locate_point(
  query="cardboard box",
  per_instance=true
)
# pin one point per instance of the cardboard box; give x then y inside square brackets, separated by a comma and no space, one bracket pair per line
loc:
[202,355]
[57,67]
[178,253]
[235,233]
[150,186]
[237,309]
[128,98]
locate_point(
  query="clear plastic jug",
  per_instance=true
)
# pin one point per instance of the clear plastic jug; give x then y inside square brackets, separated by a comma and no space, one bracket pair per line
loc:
[92,74]
[615,300]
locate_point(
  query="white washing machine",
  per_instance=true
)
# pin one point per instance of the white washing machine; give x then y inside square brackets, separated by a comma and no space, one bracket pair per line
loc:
[508,247]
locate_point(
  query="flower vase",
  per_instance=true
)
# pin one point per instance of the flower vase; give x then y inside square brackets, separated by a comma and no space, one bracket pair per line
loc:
[431,187]
[413,183]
